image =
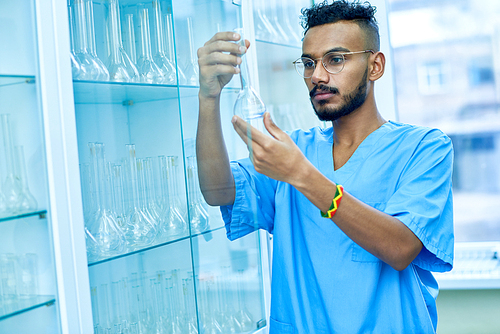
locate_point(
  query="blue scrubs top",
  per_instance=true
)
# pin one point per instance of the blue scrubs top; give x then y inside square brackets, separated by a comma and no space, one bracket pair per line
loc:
[323,282]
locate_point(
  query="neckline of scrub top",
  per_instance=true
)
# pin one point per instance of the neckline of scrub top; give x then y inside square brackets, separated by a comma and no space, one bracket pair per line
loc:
[350,167]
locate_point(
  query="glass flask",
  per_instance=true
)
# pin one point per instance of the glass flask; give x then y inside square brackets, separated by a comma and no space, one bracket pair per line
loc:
[106,237]
[11,185]
[198,214]
[242,316]
[228,312]
[89,68]
[26,201]
[172,221]
[191,71]
[291,29]
[160,54]
[129,38]
[139,230]
[169,44]
[283,37]
[119,65]
[248,105]
[210,324]
[190,326]
[89,14]
[143,192]
[149,72]
[118,195]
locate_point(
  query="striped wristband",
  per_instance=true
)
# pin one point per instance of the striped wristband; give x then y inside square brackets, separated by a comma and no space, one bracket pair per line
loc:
[335,203]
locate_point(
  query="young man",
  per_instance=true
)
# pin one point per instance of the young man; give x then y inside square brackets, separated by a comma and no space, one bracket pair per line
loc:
[361,212]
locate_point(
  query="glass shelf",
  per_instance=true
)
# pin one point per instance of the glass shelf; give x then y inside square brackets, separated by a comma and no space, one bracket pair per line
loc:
[41,214]
[296,47]
[22,306]
[95,92]
[154,246]
[9,80]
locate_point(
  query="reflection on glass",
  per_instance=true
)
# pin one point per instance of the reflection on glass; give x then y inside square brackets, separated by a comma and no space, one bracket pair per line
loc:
[198,214]
[11,185]
[191,69]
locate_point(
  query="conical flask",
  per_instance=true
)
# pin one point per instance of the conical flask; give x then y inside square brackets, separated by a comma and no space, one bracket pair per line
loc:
[106,238]
[248,105]
[197,212]
[170,50]
[242,316]
[140,231]
[160,54]
[119,65]
[27,201]
[89,15]
[172,221]
[11,185]
[149,71]
[191,71]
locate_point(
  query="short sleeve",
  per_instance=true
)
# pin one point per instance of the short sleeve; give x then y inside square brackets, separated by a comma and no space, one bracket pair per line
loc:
[423,201]
[253,207]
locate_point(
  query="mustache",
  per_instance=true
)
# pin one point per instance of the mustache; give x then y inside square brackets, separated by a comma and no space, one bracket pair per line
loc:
[323,88]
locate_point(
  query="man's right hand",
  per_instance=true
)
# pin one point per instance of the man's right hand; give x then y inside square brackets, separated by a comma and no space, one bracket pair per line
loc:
[218,60]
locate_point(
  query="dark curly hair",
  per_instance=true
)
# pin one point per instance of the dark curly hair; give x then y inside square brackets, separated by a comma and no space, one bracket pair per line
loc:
[342,10]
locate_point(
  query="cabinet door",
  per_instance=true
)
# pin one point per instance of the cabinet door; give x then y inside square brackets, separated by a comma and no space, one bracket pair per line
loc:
[28,291]
[158,258]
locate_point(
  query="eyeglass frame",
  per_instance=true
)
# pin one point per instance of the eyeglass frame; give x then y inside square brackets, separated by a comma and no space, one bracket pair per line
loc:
[343,54]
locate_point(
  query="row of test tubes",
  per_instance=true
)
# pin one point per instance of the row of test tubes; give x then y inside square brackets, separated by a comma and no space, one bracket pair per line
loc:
[18,281]
[165,303]
[138,47]
[135,203]
[15,195]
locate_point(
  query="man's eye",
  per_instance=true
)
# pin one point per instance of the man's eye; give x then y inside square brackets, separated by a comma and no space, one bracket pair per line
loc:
[335,59]
[308,63]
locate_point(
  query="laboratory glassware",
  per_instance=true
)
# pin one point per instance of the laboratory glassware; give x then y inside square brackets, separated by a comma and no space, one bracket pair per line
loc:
[140,231]
[248,105]
[242,316]
[89,68]
[290,29]
[170,50]
[119,65]
[107,238]
[265,30]
[191,71]
[129,38]
[160,55]
[149,72]
[143,192]
[172,221]
[11,185]
[89,15]
[27,201]
[283,37]
[198,214]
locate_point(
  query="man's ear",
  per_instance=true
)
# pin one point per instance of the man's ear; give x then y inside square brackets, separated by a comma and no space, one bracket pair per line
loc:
[378,66]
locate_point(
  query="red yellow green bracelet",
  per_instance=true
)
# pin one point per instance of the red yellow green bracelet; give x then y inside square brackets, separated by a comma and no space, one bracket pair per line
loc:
[335,203]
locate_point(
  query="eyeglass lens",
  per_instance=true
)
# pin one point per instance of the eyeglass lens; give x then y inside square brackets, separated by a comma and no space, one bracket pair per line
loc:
[333,63]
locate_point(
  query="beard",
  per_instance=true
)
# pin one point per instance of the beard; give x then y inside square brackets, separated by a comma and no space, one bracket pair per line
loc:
[352,101]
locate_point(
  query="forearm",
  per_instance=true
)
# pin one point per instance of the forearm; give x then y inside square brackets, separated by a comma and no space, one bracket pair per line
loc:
[214,171]
[382,235]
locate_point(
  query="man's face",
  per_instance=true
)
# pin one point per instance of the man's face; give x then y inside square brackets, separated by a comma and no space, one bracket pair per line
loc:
[336,95]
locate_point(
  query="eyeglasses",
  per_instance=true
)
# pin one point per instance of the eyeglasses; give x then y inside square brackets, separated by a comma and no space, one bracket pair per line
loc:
[333,62]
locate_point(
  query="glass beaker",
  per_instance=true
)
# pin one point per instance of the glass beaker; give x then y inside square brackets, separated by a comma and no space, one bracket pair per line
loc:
[140,231]
[160,54]
[172,221]
[102,226]
[27,201]
[198,214]
[248,105]
[11,185]
[149,71]
[191,71]
[119,65]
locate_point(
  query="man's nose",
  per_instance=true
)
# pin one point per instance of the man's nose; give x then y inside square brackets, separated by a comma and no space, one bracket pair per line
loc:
[320,75]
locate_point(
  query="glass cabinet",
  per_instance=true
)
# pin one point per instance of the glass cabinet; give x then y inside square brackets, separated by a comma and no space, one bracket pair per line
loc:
[28,286]
[98,107]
